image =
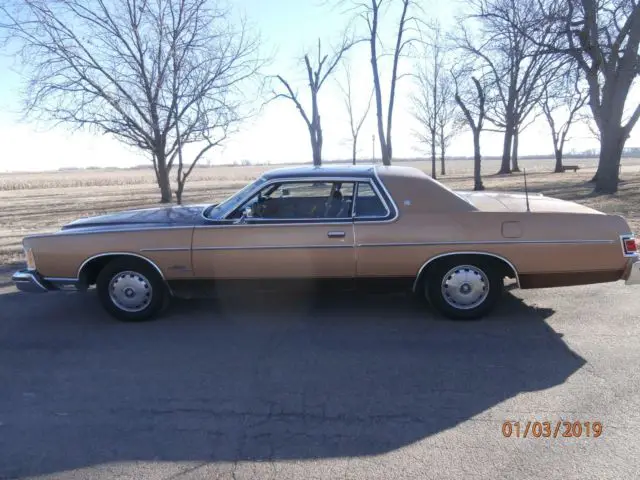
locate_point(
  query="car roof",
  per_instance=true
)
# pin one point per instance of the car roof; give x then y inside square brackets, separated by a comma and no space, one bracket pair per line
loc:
[343,170]
[364,171]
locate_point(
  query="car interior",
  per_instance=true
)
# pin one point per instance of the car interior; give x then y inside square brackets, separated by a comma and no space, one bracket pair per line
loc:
[311,200]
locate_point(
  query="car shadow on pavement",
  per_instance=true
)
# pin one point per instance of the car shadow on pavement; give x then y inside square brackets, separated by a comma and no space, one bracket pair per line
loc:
[255,378]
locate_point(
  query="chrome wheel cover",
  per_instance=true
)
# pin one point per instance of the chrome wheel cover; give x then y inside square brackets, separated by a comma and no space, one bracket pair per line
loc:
[465,287]
[130,291]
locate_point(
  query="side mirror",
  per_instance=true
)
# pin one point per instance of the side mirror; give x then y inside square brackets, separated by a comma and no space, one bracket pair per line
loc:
[246,213]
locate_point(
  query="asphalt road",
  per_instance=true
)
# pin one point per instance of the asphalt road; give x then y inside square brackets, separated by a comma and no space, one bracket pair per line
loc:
[370,387]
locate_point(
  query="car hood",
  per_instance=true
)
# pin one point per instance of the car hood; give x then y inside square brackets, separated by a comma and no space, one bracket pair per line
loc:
[487,201]
[148,217]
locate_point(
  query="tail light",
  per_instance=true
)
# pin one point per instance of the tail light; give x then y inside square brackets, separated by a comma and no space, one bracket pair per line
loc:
[629,245]
[31,262]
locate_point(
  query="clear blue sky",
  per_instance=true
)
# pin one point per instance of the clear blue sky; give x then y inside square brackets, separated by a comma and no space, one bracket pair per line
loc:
[278,134]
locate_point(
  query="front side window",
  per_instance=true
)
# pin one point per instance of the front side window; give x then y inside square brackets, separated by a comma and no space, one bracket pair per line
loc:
[368,203]
[232,202]
[300,201]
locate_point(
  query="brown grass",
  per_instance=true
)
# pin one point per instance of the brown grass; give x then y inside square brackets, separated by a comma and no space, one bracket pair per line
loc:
[42,202]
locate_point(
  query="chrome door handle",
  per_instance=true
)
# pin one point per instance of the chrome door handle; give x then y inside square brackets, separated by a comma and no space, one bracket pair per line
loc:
[335,234]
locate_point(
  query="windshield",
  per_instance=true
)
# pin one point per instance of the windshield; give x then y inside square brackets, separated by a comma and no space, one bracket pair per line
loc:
[221,209]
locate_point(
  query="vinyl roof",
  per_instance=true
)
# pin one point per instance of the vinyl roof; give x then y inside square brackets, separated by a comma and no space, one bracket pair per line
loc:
[341,170]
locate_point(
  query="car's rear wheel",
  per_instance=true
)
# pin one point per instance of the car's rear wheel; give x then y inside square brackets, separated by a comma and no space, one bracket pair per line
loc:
[131,290]
[463,288]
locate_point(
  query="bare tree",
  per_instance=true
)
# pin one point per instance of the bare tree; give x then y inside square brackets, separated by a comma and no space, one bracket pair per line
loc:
[429,99]
[323,66]
[370,11]
[435,109]
[451,120]
[355,122]
[565,96]
[603,39]
[471,96]
[518,67]
[135,69]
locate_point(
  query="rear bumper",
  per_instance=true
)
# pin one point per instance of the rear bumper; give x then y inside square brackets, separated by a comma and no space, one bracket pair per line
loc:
[30,281]
[632,273]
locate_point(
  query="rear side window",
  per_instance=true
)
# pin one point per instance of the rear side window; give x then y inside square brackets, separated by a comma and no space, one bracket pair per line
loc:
[368,203]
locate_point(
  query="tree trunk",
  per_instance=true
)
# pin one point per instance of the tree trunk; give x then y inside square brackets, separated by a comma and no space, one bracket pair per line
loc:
[558,152]
[514,153]
[163,178]
[317,158]
[316,148]
[433,154]
[442,167]
[353,150]
[506,149]
[612,135]
[477,159]
[373,39]
[611,145]
[384,153]
[179,191]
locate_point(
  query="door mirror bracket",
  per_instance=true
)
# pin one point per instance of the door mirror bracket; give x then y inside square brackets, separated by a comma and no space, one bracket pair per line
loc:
[247,213]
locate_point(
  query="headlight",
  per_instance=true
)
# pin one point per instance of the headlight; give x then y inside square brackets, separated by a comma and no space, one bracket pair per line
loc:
[31,262]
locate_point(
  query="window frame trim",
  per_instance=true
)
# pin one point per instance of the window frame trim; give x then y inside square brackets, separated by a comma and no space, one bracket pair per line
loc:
[386,200]
[377,193]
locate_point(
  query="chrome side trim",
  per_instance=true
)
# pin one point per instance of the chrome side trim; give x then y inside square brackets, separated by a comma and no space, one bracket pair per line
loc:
[273,181]
[107,230]
[290,221]
[60,279]
[388,195]
[272,247]
[65,283]
[487,242]
[111,254]
[448,254]
[346,221]
[370,218]
[166,249]
[376,185]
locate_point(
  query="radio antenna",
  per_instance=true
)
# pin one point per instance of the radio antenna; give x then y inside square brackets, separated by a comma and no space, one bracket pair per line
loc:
[526,190]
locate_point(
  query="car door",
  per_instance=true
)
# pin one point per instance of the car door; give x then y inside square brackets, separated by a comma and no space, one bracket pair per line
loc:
[298,229]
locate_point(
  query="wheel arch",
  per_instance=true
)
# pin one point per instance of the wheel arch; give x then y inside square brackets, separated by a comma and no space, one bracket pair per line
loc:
[89,269]
[508,266]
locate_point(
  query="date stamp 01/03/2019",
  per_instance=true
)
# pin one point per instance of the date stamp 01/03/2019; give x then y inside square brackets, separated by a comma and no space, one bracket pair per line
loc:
[553,429]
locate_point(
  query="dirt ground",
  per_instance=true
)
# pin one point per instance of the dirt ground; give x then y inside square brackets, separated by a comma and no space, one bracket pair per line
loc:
[43,202]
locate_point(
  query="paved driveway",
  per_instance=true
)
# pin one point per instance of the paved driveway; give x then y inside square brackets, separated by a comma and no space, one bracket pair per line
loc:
[370,387]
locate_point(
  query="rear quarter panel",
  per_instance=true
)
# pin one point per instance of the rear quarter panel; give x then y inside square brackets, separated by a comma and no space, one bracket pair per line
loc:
[430,224]
[532,242]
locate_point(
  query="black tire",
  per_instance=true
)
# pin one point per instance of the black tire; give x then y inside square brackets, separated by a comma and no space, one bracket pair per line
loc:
[481,288]
[143,292]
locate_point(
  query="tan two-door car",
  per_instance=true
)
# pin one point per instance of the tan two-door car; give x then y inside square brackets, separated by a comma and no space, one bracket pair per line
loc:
[361,225]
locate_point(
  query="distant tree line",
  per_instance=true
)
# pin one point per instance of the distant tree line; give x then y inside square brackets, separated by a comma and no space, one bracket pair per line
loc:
[171,77]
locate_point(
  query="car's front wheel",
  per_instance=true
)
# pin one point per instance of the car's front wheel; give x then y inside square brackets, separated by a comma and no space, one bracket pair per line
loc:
[465,288]
[131,290]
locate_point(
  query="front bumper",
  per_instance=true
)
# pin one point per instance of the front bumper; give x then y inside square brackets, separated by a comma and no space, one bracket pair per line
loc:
[30,281]
[632,274]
